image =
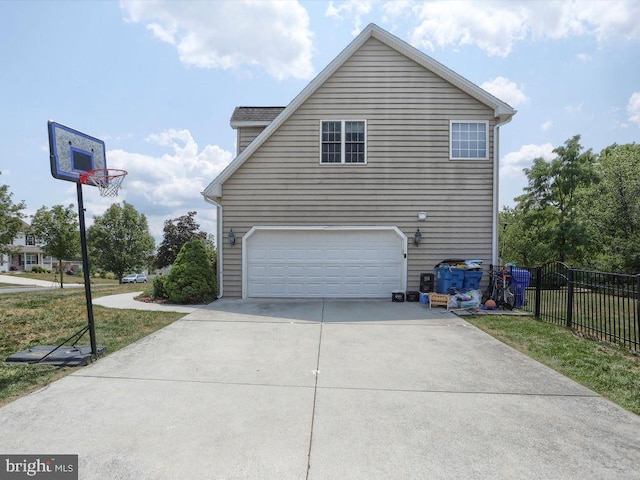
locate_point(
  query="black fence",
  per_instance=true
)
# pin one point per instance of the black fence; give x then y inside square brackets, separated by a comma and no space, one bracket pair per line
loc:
[604,306]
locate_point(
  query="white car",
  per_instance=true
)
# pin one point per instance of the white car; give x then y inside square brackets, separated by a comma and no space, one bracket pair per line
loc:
[135,278]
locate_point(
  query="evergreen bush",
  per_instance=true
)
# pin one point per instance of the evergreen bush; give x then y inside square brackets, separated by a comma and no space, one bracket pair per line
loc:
[159,290]
[191,279]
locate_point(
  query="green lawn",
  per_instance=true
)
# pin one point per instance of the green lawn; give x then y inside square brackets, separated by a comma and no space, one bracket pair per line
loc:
[49,277]
[48,317]
[607,369]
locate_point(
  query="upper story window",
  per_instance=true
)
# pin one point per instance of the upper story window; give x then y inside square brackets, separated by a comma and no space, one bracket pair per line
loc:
[30,239]
[469,140]
[344,141]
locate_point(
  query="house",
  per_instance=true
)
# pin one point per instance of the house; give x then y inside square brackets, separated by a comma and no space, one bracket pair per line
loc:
[384,165]
[26,253]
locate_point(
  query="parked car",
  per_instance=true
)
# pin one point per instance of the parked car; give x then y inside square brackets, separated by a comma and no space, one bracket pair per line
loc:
[135,278]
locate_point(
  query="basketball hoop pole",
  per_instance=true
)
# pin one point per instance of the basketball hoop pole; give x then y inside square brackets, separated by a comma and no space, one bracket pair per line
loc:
[86,272]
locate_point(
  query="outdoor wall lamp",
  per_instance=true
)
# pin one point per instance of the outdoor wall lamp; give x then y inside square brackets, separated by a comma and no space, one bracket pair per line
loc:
[417,237]
[232,238]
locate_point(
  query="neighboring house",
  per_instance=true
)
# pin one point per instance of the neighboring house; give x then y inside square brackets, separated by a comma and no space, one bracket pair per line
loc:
[326,196]
[26,253]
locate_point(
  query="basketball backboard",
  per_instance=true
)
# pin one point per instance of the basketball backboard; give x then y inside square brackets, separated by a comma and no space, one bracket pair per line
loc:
[73,153]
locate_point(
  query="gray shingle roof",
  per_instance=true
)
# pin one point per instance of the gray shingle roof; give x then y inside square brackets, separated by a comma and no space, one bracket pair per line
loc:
[255,114]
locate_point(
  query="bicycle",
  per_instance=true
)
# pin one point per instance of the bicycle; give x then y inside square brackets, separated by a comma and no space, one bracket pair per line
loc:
[500,289]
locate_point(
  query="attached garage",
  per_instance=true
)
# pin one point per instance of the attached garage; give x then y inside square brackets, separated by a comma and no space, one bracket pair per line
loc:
[327,262]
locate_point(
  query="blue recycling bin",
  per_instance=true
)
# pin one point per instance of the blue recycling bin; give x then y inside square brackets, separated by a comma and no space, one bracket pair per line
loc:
[520,280]
[449,279]
[472,279]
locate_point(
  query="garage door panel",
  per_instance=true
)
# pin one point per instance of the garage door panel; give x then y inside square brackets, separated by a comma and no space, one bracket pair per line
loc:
[334,263]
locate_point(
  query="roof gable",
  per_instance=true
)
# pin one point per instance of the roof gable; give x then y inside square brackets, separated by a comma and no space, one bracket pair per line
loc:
[502,110]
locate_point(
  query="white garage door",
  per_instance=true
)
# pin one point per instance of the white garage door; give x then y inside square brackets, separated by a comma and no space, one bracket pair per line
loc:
[324,263]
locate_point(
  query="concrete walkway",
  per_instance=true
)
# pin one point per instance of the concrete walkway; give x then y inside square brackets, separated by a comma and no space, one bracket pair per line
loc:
[126,301]
[18,280]
[324,389]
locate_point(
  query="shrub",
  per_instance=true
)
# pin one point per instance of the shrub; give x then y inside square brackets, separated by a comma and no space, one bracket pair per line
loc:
[38,269]
[191,279]
[159,290]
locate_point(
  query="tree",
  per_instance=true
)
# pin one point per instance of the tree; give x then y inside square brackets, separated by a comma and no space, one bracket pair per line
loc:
[10,219]
[59,233]
[212,255]
[551,199]
[616,220]
[119,241]
[518,241]
[177,232]
[191,279]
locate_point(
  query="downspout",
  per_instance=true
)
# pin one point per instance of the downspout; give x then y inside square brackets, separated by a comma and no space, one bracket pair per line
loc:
[219,242]
[496,189]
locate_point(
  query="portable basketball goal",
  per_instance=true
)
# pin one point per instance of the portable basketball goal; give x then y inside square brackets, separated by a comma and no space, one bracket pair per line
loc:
[78,158]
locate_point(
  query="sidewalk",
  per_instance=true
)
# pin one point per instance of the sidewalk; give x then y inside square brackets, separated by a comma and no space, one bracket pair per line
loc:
[18,280]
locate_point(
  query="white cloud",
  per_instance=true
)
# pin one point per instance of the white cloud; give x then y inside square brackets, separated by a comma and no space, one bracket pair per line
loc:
[584,57]
[546,125]
[168,186]
[633,108]
[442,24]
[272,34]
[497,26]
[350,8]
[505,90]
[513,163]
[574,110]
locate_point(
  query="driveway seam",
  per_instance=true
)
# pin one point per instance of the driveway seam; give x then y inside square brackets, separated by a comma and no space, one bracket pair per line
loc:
[184,380]
[465,392]
[358,389]
[315,392]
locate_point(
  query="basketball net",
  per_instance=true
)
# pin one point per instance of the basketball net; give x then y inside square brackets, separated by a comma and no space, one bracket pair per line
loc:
[108,180]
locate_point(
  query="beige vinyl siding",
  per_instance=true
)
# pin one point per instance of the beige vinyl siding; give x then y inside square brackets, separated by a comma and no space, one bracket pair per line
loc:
[408,170]
[246,136]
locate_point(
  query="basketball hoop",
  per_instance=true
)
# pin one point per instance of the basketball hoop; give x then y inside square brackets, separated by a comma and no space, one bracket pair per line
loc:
[108,180]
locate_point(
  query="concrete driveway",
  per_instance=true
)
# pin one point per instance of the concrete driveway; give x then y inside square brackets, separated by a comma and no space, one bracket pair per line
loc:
[324,389]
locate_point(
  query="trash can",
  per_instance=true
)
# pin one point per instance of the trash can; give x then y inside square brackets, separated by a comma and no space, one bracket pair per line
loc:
[472,280]
[520,280]
[449,279]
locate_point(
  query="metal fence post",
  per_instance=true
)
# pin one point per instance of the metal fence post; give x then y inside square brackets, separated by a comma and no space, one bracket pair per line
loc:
[536,308]
[570,297]
[637,339]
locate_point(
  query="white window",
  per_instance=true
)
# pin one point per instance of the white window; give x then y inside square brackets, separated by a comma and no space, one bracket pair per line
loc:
[31,259]
[30,239]
[469,140]
[343,141]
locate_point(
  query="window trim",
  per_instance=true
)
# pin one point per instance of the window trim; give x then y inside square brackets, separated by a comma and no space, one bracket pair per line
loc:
[472,159]
[343,141]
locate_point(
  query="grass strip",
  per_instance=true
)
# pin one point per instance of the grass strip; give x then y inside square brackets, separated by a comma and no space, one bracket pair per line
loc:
[606,369]
[48,317]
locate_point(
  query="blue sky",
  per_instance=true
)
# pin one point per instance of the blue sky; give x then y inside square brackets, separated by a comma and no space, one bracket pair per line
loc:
[158,81]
